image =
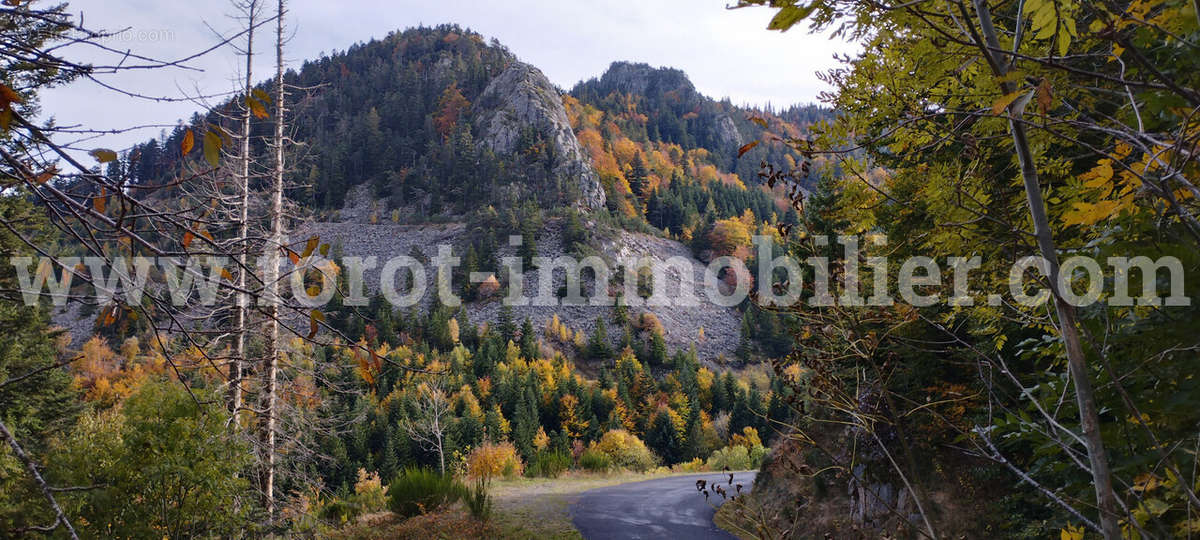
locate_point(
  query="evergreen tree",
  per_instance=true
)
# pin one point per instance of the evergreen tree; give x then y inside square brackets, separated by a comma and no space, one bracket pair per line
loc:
[664,439]
[505,324]
[598,348]
[529,341]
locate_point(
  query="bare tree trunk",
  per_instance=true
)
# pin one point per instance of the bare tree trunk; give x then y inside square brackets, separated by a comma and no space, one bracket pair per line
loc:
[1089,417]
[271,278]
[242,299]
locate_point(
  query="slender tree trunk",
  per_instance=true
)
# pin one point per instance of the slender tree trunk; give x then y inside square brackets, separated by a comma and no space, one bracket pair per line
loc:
[240,310]
[47,491]
[1089,417]
[271,278]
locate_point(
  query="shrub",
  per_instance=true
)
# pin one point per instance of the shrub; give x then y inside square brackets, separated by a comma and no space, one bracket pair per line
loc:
[339,511]
[626,450]
[548,465]
[478,500]
[491,460]
[417,491]
[737,458]
[594,460]
[695,465]
[369,496]
[369,492]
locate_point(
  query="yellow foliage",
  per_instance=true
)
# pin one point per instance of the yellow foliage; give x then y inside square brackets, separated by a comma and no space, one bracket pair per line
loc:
[492,460]
[748,438]
[541,440]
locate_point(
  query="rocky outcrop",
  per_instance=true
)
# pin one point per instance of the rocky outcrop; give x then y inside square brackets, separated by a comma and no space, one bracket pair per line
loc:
[521,96]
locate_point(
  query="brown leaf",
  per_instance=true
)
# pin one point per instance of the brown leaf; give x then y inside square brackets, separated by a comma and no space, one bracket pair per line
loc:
[8,96]
[759,121]
[101,202]
[1045,96]
[225,274]
[292,256]
[747,147]
[187,239]
[256,107]
[46,175]
[189,142]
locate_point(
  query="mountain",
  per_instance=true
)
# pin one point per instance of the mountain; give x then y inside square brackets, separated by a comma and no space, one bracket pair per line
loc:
[437,125]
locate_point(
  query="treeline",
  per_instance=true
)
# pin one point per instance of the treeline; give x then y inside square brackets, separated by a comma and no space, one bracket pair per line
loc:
[511,382]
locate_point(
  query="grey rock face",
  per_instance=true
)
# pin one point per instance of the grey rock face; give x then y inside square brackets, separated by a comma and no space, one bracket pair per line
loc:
[521,96]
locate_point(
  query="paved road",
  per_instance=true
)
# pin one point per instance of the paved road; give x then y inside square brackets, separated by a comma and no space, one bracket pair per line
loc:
[662,508]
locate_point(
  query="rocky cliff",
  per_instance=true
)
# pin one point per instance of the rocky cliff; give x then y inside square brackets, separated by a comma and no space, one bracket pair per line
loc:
[522,97]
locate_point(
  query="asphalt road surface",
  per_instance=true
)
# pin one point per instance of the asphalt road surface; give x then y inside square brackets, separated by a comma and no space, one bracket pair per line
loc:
[662,508]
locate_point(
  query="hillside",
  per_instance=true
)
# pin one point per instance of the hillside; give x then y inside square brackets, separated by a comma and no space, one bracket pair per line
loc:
[434,125]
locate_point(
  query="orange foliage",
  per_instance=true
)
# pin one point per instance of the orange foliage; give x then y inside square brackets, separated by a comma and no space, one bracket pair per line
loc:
[450,107]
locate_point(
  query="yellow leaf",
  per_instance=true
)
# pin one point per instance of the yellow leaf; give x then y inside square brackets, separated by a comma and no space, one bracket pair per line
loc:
[310,246]
[103,155]
[1100,175]
[1005,101]
[1071,533]
[1085,213]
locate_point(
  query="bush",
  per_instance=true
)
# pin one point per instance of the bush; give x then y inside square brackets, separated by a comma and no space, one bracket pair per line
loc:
[369,492]
[737,458]
[626,450]
[548,465]
[693,466]
[369,496]
[491,460]
[478,500]
[594,460]
[418,491]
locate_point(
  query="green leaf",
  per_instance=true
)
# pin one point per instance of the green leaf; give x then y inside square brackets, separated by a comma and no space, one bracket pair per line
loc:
[789,16]
[311,246]
[212,148]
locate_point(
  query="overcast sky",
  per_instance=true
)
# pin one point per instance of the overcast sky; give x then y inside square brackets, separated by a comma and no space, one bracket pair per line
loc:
[726,53]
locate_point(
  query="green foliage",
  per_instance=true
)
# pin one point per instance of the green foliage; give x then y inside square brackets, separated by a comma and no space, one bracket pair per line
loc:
[478,501]
[162,464]
[594,460]
[418,491]
[737,458]
[548,464]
